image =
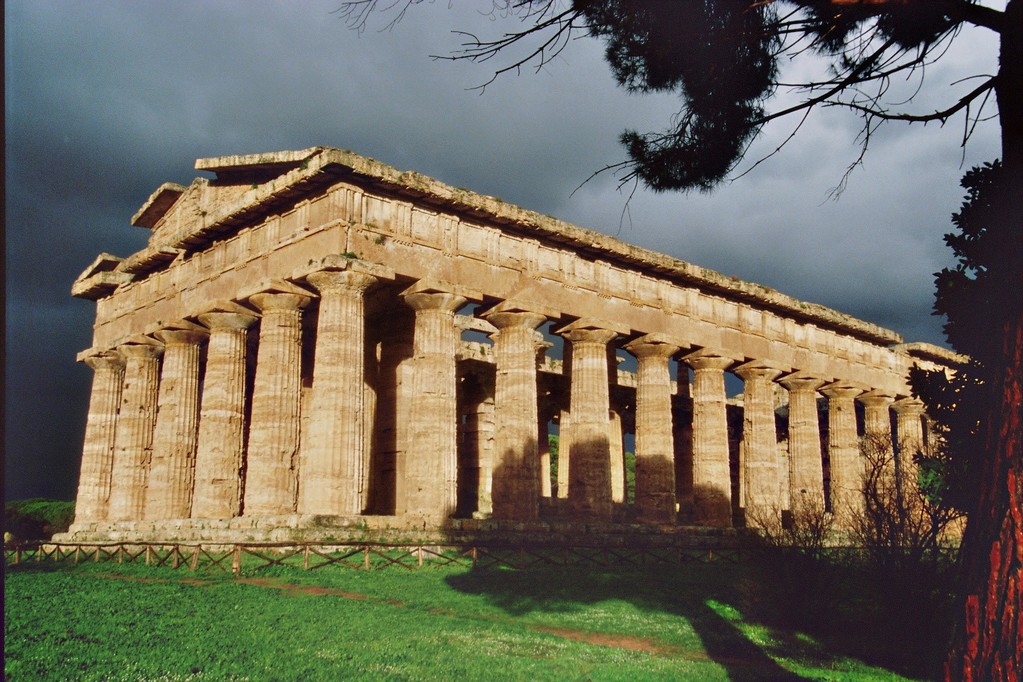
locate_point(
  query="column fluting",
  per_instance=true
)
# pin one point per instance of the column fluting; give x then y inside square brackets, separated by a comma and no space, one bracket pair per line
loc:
[712,484]
[271,476]
[806,463]
[516,474]
[909,413]
[100,429]
[846,462]
[589,485]
[220,451]
[334,459]
[655,447]
[762,483]
[133,439]
[169,490]
[431,465]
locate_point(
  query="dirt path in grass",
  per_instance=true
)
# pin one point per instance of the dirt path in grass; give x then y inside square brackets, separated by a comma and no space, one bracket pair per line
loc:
[648,645]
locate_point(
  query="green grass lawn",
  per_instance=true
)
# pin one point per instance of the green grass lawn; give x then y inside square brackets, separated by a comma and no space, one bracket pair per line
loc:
[104,621]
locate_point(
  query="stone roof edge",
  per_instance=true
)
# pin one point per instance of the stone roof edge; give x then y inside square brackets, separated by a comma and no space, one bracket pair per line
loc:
[595,242]
[363,170]
[929,351]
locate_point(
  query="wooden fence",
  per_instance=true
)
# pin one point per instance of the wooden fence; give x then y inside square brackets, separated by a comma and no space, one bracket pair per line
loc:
[250,557]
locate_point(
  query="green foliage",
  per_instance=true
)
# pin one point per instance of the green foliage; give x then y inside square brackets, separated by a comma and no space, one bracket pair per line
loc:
[37,518]
[126,622]
[971,298]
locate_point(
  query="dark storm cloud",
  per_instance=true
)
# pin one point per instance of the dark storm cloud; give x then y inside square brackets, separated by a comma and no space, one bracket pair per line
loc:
[106,101]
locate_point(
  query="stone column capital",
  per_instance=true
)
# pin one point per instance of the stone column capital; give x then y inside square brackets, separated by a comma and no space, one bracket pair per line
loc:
[651,347]
[434,300]
[327,281]
[908,406]
[752,371]
[876,399]
[140,350]
[841,392]
[706,358]
[107,359]
[802,384]
[523,319]
[278,301]
[182,337]
[580,336]
[217,320]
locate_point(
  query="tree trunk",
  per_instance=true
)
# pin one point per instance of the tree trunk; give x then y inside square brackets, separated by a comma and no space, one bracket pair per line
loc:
[988,637]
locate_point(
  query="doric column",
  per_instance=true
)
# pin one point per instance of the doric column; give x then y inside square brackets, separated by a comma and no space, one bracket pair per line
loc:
[221,447]
[431,466]
[334,458]
[909,414]
[616,445]
[655,447]
[846,464]
[133,439]
[169,491]
[394,329]
[274,425]
[564,452]
[589,473]
[762,487]
[516,475]
[712,483]
[877,432]
[100,428]
[806,465]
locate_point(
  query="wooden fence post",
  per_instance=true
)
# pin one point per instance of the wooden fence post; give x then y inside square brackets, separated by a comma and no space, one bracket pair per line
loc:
[365,557]
[236,561]
[149,550]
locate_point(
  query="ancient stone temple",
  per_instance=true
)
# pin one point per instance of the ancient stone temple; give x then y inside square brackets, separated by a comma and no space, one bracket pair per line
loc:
[314,344]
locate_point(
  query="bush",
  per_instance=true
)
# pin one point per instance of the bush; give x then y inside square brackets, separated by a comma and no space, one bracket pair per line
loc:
[37,519]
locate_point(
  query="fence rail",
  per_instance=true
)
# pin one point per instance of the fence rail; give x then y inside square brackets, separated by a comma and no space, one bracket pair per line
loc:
[249,557]
[252,557]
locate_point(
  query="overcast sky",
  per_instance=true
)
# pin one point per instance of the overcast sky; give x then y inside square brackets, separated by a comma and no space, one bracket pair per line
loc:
[107,100]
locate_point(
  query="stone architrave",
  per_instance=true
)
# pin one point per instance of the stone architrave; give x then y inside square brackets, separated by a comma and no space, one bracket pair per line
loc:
[169,491]
[100,429]
[431,462]
[877,431]
[909,413]
[334,459]
[275,424]
[515,472]
[762,489]
[846,462]
[220,450]
[806,464]
[589,490]
[133,440]
[712,485]
[655,447]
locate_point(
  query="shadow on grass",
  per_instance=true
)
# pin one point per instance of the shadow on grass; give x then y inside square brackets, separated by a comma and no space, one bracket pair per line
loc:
[817,612]
[696,595]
